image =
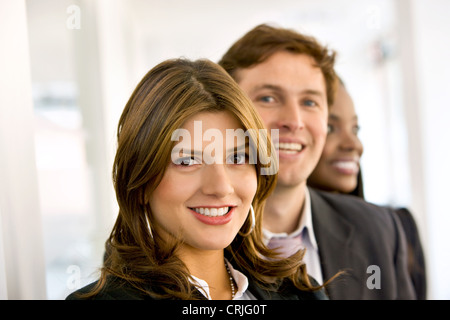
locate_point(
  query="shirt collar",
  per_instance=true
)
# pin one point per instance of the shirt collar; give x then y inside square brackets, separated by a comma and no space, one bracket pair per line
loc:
[239,278]
[305,222]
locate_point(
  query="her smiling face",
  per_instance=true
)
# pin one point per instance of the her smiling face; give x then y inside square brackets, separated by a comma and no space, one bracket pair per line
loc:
[206,204]
[338,166]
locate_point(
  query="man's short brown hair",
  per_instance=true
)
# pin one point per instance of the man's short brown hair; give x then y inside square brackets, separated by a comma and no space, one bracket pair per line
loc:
[263,41]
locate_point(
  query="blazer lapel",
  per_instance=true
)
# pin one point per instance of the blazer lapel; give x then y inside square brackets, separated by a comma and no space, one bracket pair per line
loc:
[333,234]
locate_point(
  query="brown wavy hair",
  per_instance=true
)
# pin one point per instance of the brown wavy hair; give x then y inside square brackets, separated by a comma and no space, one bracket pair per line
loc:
[260,43]
[166,97]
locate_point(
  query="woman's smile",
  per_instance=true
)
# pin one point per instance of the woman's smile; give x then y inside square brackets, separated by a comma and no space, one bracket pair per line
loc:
[212,211]
[213,216]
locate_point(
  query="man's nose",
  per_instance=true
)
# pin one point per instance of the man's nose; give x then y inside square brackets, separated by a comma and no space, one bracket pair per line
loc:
[290,117]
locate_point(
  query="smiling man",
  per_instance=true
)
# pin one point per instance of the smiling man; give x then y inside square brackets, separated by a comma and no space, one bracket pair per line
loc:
[291,80]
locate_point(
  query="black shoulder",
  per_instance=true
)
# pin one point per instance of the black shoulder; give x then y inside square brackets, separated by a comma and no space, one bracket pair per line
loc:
[288,291]
[407,220]
[115,289]
[342,199]
[352,208]
[80,293]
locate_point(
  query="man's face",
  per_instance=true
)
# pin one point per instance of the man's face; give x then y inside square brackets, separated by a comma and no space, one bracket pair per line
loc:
[289,93]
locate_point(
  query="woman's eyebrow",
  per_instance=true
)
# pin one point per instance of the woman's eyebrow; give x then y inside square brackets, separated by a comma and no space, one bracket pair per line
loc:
[238,148]
[334,117]
[186,151]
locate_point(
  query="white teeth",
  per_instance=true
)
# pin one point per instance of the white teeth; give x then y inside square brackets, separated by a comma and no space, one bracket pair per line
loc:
[289,147]
[212,212]
[346,165]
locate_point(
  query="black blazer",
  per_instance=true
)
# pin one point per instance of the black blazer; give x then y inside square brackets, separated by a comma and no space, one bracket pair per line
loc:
[353,235]
[117,289]
[416,257]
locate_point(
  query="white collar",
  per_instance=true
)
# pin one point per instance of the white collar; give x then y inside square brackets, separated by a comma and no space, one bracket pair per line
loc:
[304,222]
[240,279]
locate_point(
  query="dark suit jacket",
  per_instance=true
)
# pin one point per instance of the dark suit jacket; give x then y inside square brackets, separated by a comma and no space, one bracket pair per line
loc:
[416,258]
[117,289]
[353,235]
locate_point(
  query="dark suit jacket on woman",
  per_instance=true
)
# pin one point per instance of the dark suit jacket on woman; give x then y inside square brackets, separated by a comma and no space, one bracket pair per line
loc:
[416,257]
[117,289]
[366,241]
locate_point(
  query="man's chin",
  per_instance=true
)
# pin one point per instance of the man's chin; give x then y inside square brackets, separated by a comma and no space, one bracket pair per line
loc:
[290,180]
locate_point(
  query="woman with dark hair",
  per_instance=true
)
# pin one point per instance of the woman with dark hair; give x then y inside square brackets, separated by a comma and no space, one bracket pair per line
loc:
[191,203]
[338,170]
[338,166]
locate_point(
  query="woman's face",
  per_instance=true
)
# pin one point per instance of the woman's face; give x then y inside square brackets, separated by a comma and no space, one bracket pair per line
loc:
[338,166]
[208,187]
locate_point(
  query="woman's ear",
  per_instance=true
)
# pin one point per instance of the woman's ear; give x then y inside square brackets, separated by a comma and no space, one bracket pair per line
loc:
[144,196]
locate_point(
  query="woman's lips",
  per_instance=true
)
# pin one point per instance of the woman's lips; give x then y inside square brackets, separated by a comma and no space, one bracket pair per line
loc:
[213,215]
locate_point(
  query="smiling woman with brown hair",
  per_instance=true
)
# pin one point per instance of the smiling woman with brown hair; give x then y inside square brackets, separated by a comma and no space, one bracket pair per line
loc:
[189,228]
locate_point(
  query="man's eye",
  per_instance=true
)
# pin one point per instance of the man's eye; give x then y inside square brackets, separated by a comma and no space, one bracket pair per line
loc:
[309,103]
[267,99]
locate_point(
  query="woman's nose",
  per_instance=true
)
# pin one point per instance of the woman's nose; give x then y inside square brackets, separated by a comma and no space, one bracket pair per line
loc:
[350,141]
[216,181]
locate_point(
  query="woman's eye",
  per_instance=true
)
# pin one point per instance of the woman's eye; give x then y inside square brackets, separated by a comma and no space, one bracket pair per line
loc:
[356,130]
[186,161]
[238,158]
[330,129]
